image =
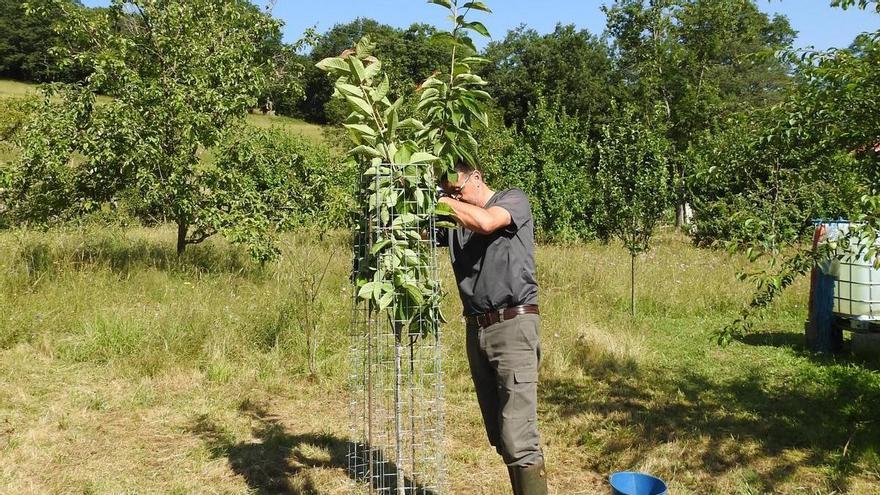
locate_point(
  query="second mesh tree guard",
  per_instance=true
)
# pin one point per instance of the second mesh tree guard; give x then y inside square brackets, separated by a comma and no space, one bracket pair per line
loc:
[396,379]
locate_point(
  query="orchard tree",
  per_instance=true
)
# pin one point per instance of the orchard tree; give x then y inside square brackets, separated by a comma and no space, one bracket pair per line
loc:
[701,61]
[834,111]
[402,157]
[634,183]
[569,67]
[180,73]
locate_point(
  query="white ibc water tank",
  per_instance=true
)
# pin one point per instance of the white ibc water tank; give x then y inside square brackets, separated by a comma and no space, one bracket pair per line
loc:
[857,282]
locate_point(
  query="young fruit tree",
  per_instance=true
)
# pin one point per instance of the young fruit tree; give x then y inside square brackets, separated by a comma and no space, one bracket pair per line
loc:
[634,184]
[400,159]
[180,75]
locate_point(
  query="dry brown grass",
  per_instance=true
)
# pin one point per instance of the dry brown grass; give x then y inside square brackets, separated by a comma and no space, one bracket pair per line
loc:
[126,370]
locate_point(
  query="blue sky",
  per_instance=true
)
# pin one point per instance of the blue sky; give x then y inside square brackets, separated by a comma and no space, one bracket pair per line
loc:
[818,24]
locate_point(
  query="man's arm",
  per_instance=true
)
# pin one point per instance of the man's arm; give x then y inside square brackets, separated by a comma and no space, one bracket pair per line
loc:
[476,219]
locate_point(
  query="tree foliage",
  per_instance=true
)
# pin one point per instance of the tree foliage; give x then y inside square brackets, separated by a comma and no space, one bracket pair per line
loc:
[26,43]
[552,158]
[702,61]
[175,92]
[401,159]
[834,117]
[571,67]
[633,180]
[408,56]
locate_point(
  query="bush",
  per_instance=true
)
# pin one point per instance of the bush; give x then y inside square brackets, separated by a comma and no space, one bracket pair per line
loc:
[311,182]
[750,189]
[253,184]
[553,161]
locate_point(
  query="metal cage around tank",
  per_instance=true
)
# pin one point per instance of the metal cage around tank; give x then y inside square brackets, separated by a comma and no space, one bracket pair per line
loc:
[856,281]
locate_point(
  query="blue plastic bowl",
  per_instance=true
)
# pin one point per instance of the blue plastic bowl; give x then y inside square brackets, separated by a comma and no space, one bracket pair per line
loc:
[636,484]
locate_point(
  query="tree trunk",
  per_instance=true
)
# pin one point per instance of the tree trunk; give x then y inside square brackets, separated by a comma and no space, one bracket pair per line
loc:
[633,284]
[398,416]
[182,229]
[679,215]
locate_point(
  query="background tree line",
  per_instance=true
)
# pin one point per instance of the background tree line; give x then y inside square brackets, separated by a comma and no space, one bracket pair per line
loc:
[707,82]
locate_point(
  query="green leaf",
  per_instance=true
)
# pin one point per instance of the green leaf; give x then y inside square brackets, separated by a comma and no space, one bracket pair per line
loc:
[394,107]
[466,42]
[350,89]
[331,64]
[358,68]
[443,209]
[411,123]
[477,27]
[422,157]
[372,70]
[360,105]
[386,300]
[380,246]
[405,219]
[367,290]
[477,6]
[443,38]
[429,93]
[412,259]
[415,293]
[442,3]
[475,60]
[365,150]
[470,78]
[403,155]
[361,128]
[446,224]
[383,88]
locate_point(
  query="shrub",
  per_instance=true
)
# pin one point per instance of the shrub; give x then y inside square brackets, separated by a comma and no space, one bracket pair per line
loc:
[553,161]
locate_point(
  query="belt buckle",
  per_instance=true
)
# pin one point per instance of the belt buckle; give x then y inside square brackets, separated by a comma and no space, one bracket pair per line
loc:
[500,316]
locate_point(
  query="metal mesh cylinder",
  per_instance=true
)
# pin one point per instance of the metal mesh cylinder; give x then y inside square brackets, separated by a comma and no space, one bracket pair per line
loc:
[396,381]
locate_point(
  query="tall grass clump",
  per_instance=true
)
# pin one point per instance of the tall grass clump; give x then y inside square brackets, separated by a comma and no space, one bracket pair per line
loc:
[124,298]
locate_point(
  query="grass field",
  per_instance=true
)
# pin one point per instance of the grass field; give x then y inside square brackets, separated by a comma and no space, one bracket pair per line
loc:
[294,126]
[17,89]
[126,370]
[310,131]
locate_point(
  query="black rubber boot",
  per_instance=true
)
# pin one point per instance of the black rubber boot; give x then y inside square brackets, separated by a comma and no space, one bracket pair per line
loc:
[511,471]
[530,480]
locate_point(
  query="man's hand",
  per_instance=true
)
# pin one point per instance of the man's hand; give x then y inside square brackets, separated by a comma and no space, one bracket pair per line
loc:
[476,219]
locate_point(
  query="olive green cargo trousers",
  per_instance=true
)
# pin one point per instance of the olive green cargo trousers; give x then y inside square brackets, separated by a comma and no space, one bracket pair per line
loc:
[504,360]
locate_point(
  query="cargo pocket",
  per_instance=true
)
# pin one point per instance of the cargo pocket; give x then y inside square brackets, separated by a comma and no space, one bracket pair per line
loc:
[525,394]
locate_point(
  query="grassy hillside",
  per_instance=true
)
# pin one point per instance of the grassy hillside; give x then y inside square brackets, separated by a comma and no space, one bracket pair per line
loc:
[16,89]
[310,131]
[126,370]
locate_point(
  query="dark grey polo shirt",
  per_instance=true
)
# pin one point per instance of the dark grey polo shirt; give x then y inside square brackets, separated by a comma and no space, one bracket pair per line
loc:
[497,270]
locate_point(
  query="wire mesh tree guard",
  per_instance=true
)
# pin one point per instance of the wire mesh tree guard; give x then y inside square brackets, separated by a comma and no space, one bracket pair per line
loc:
[396,380]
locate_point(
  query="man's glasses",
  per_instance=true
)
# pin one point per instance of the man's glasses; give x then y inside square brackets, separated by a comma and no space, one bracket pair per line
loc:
[456,191]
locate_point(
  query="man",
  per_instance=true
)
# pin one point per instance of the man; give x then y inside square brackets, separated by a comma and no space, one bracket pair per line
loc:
[494,264]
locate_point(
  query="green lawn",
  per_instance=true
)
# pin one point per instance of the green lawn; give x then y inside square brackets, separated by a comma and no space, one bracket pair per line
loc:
[126,370]
[295,126]
[15,88]
[310,131]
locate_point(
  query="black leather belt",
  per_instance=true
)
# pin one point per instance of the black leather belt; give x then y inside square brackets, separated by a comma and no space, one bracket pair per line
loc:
[487,319]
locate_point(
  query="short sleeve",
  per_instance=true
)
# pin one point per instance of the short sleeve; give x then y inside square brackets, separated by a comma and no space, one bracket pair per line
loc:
[516,203]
